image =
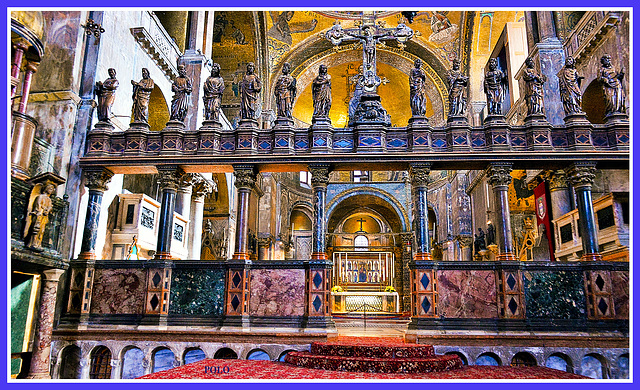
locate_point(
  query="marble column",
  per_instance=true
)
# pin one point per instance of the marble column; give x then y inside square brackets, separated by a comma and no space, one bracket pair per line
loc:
[582,174]
[96,181]
[559,194]
[407,245]
[499,175]
[466,247]
[19,49]
[319,181]
[201,188]
[30,70]
[40,359]
[183,198]
[546,26]
[245,180]
[169,177]
[419,175]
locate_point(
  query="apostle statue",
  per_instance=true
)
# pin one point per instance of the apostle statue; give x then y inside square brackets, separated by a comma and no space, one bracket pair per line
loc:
[106,92]
[213,89]
[457,90]
[479,241]
[533,92]
[614,95]
[40,205]
[569,85]
[285,92]
[181,90]
[250,88]
[417,89]
[321,92]
[358,90]
[495,82]
[141,95]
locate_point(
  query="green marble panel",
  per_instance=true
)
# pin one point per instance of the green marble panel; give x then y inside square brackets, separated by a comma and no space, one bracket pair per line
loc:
[557,294]
[197,292]
[21,286]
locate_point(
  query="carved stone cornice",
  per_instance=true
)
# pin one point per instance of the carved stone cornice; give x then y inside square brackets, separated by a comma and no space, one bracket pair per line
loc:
[582,174]
[97,180]
[499,174]
[319,175]
[170,178]
[419,174]
[558,180]
[245,177]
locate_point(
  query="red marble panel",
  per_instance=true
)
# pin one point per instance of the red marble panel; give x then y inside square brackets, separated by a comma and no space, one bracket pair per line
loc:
[620,293]
[277,292]
[118,291]
[467,294]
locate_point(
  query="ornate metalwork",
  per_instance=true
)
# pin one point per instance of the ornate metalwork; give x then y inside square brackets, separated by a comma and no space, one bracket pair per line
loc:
[93,28]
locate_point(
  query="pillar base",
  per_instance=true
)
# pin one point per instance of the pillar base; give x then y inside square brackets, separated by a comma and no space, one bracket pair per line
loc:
[422,256]
[508,256]
[591,257]
[162,256]
[240,256]
[319,256]
[87,256]
[39,375]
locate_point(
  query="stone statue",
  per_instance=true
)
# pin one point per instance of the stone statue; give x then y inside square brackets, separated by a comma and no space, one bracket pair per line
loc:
[141,95]
[285,92]
[250,88]
[569,84]
[39,207]
[357,92]
[479,242]
[106,92]
[181,90]
[491,234]
[457,90]
[213,89]
[533,92]
[614,95]
[321,92]
[417,88]
[495,82]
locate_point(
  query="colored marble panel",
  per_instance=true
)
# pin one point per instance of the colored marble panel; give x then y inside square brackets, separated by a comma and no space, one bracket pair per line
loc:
[620,293]
[558,294]
[118,291]
[277,292]
[467,294]
[197,292]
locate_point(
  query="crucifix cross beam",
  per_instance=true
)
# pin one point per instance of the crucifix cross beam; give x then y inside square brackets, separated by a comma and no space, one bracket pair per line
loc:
[369,34]
[361,220]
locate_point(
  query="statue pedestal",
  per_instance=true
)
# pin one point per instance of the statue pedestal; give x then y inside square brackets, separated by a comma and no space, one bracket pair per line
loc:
[171,138]
[618,131]
[209,137]
[419,134]
[321,135]
[99,138]
[497,132]
[538,132]
[578,131]
[283,140]
[247,136]
[136,138]
[458,134]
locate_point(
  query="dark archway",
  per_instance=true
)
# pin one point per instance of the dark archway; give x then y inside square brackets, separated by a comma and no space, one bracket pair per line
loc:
[225,353]
[70,362]
[100,363]
[593,102]
[523,359]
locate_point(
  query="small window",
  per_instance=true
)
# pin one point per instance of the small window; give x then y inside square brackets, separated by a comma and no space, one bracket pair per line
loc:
[130,210]
[305,179]
[566,235]
[101,364]
[605,217]
[361,243]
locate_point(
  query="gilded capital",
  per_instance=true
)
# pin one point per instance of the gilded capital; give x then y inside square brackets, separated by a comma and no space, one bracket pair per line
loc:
[499,174]
[170,179]
[97,180]
[419,175]
[319,175]
[558,180]
[245,178]
[582,174]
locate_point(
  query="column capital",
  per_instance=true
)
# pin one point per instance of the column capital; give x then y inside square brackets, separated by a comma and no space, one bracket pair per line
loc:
[407,237]
[32,66]
[186,181]
[245,176]
[98,179]
[499,174]
[201,187]
[582,174]
[170,177]
[419,174]
[53,275]
[558,180]
[319,175]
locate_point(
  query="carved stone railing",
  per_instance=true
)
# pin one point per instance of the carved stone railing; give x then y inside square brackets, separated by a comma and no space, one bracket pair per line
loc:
[593,26]
[158,44]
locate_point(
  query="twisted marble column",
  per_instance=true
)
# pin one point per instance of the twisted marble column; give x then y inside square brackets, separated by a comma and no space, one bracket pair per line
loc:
[245,180]
[582,174]
[96,181]
[499,175]
[319,181]
[169,178]
[419,175]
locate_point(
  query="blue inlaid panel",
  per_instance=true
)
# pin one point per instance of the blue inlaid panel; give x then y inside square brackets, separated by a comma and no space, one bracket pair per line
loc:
[558,294]
[197,292]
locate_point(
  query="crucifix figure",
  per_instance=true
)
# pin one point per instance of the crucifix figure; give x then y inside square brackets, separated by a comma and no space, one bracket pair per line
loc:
[369,34]
[361,221]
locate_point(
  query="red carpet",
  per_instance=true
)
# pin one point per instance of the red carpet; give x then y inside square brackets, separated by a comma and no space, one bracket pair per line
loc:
[260,369]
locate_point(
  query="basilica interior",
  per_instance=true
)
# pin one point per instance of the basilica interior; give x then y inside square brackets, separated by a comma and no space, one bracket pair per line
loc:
[240,184]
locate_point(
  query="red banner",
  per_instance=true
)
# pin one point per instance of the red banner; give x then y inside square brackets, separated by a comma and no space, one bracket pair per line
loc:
[543,211]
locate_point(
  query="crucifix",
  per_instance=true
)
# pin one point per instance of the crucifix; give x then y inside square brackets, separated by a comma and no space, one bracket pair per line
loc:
[369,34]
[361,221]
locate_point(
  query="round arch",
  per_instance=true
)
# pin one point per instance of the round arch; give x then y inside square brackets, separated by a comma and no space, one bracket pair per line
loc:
[593,102]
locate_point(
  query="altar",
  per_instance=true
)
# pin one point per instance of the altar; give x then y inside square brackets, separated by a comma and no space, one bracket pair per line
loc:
[361,301]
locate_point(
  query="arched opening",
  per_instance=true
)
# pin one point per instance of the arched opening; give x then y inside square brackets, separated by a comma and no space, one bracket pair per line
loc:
[158,110]
[100,363]
[523,359]
[623,366]
[594,366]
[163,359]
[301,232]
[132,363]
[593,102]
[559,361]
[283,355]
[70,362]
[460,355]
[361,243]
[225,353]
[258,354]
[193,355]
[488,359]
